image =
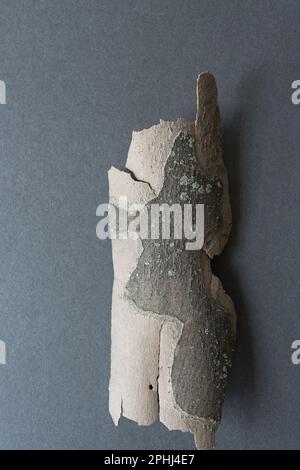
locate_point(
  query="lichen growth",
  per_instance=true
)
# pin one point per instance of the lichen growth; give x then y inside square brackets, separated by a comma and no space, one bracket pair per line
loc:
[208,188]
[184,196]
[184,180]
[171,273]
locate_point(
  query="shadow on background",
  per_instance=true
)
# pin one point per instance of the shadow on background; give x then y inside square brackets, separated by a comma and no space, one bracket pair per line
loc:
[241,387]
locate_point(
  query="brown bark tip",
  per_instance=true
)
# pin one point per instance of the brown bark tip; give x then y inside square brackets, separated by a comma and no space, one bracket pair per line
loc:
[204,439]
[206,90]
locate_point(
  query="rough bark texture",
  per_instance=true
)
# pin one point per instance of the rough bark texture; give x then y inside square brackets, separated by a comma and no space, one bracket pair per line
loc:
[173,326]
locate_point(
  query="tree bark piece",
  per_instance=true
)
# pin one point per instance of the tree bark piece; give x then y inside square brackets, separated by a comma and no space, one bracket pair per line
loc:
[173,326]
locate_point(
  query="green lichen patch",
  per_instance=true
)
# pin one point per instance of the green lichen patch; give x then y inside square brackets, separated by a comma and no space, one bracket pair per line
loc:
[171,273]
[208,188]
[184,180]
[184,196]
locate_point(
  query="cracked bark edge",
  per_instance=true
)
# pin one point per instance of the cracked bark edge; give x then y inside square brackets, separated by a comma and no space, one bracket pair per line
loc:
[145,335]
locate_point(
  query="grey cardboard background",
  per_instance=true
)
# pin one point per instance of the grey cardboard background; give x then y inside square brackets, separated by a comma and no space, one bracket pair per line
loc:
[80,75]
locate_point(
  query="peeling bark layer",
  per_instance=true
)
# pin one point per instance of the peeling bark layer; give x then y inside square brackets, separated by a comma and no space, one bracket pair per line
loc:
[173,326]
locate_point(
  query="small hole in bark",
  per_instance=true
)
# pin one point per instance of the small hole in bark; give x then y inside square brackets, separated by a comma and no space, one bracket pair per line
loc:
[151,387]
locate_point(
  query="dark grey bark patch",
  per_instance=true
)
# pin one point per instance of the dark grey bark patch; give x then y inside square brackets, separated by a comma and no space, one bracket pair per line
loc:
[169,280]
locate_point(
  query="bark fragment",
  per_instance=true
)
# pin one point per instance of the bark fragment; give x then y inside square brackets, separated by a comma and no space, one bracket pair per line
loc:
[173,326]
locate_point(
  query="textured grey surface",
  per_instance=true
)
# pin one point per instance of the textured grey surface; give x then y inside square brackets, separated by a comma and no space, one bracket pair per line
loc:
[80,76]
